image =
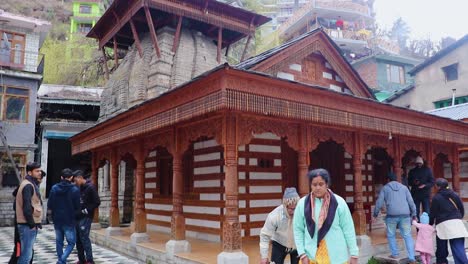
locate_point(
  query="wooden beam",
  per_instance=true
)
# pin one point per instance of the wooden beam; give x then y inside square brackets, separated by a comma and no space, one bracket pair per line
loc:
[227,49]
[154,38]
[121,22]
[106,68]
[116,57]
[177,35]
[220,43]
[137,39]
[246,46]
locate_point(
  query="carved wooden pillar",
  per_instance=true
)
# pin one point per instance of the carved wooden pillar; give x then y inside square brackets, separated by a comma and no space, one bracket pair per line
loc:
[359,215]
[302,160]
[232,240]
[397,159]
[178,219]
[94,179]
[429,155]
[140,213]
[114,217]
[456,169]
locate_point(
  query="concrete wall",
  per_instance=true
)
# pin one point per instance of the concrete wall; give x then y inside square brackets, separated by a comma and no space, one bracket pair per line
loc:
[430,84]
[382,79]
[368,72]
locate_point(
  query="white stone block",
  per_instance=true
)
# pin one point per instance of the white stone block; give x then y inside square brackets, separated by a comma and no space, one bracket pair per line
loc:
[347,166]
[242,203]
[210,183]
[349,188]
[241,175]
[335,88]
[151,164]
[255,231]
[202,209]
[206,157]
[295,67]
[253,162]
[232,258]
[241,161]
[258,217]
[242,218]
[149,185]
[265,203]
[286,76]
[148,196]
[242,189]
[265,175]
[277,163]
[202,223]
[210,196]
[267,135]
[264,148]
[349,177]
[205,144]
[150,175]
[177,246]
[162,207]
[265,189]
[327,75]
[241,148]
[207,170]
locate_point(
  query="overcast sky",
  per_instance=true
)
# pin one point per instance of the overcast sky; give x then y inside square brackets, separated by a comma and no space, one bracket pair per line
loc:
[434,18]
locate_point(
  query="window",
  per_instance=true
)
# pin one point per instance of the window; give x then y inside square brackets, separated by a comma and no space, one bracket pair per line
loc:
[448,102]
[84,28]
[85,9]
[14,51]
[14,104]
[451,72]
[7,171]
[395,74]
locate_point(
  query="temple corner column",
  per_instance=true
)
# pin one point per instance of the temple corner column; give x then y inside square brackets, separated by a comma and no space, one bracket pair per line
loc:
[456,170]
[302,162]
[114,215]
[232,235]
[140,234]
[94,178]
[397,169]
[178,243]
[359,216]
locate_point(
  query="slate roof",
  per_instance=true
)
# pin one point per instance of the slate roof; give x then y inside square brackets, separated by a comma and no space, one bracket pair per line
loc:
[252,61]
[53,93]
[456,112]
[439,55]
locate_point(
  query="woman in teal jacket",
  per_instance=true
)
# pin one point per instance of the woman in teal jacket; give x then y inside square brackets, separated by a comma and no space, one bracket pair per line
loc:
[323,226]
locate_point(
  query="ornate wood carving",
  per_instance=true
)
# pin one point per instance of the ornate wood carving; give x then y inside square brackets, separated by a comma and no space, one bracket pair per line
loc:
[410,144]
[444,149]
[322,134]
[189,134]
[382,141]
[248,126]
[164,139]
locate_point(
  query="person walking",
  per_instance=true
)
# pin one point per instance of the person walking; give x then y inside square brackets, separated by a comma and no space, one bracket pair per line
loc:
[28,205]
[447,212]
[323,225]
[400,209]
[89,199]
[278,230]
[64,204]
[424,240]
[17,243]
[421,181]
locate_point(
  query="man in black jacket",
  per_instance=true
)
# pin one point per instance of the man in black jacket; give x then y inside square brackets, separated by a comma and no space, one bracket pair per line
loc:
[89,202]
[421,182]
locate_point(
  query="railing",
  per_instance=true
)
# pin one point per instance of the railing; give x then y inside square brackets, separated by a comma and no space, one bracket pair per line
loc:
[344,5]
[22,60]
[347,34]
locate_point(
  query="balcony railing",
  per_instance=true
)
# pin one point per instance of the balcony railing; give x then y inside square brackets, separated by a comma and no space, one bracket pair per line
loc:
[22,60]
[344,6]
[347,34]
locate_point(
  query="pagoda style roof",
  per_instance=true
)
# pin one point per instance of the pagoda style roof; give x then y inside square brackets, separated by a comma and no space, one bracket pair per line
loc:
[206,16]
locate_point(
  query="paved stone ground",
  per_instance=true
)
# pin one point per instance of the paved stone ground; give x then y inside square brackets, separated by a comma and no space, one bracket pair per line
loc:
[44,249]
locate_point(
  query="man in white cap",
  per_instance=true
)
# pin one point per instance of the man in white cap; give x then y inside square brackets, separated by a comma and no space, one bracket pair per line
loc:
[278,230]
[421,181]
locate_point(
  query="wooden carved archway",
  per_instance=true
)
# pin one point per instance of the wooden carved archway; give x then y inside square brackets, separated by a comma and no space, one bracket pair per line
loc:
[248,126]
[409,144]
[377,141]
[445,149]
[212,128]
[322,134]
[164,139]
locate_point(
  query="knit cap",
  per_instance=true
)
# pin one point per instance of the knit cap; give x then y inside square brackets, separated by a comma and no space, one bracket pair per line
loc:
[290,193]
[424,218]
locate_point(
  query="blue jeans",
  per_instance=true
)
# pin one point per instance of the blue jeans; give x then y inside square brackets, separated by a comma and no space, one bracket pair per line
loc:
[458,250]
[404,224]
[83,243]
[27,238]
[69,233]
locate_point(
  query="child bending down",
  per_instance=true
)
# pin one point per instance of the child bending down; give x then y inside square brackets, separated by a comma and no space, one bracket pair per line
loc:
[424,240]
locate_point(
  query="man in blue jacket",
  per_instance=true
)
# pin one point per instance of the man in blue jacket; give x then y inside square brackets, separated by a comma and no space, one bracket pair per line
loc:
[400,209]
[64,204]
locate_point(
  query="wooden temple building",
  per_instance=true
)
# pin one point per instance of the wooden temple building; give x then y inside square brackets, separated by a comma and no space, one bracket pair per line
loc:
[208,155]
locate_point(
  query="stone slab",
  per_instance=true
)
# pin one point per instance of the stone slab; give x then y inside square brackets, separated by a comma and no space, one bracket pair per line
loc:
[178,246]
[233,258]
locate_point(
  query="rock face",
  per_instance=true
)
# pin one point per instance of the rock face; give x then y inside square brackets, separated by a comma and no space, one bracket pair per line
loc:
[138,79]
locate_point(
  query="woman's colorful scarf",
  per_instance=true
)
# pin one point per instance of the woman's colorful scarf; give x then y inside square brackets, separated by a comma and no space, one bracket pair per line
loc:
[325,220]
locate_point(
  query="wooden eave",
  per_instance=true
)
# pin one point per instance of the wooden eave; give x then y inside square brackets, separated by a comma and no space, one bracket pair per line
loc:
[238,22]
[226,88]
